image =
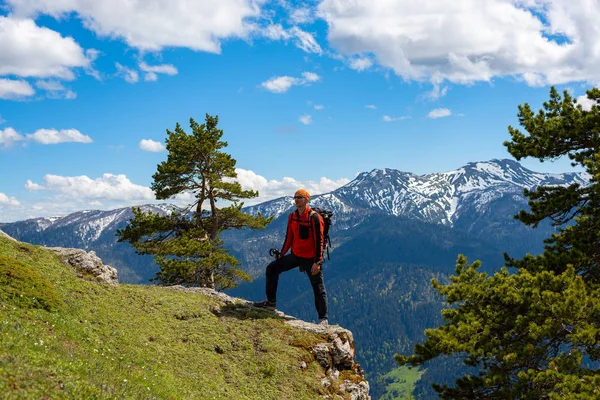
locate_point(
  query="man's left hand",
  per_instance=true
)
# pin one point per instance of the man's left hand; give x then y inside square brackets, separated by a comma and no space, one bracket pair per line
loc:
[315,269]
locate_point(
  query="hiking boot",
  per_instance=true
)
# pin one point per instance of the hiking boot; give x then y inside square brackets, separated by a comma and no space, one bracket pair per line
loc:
[270,305]
[324,322]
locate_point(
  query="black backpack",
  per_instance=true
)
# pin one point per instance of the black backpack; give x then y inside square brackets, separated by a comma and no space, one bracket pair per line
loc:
[326,215]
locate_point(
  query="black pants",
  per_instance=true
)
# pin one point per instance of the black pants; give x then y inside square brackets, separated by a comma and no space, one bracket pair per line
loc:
[288,262]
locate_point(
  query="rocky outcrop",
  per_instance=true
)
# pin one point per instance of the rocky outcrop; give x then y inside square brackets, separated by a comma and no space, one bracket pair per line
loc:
[87,263]
[344,377]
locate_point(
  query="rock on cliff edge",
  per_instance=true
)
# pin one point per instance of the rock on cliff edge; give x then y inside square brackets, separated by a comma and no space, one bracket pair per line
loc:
[336,354]
[87,263]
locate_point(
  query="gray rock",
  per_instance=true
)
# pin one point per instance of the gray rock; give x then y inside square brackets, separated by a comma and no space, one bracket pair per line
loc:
[322,352]
[357,391]
[88,263]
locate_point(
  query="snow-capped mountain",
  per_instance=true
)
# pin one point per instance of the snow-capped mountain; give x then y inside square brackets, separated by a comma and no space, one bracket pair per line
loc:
[88,225]
[441,198]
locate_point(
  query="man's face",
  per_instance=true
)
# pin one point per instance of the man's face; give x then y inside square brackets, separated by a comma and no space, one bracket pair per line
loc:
[300,201]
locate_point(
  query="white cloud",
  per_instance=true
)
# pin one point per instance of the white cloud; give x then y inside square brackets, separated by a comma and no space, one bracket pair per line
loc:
[387,118]
[151,71]
[33,187]
[155,24]
[8,137]
[371,106]
[539,41]
[436,93]
[151,146]
[273,189]
[53,136]
[50,85]
[12,89]
[360,64]
[69,95]
[306,119]
[318,106]
[282,84]
[305,41]
[302,15]
[69,194]
[439,113]
[130,75]
[586,103]
[310,77]
[27,50]
[107,187]
[276,32]
[8,201]
[55,89]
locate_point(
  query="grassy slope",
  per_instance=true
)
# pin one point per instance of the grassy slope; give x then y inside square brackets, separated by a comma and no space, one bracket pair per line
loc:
[66,337]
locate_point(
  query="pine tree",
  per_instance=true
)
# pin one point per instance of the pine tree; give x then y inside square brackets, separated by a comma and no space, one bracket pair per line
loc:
[186,245]
[533,328]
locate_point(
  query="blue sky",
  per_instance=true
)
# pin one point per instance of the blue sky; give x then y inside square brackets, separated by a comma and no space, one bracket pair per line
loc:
[308,93]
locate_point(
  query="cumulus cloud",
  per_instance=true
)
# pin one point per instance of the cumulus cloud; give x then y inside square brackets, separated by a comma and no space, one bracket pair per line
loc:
[387,118]
[371,106]
[8,137]
[586,103]
[33,187]
[151,71]
[53,136]
[310,77]
[282,84]
[72,193]
[14,89]
[306,119]
[27,50]
[538,41]
[107,187]
[151,146]
[360,64]
[8,201]
[272,189]
[439,113]
[318,107]
[64,195]
[155,24]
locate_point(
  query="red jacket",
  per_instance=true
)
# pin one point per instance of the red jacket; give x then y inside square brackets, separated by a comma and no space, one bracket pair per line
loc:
[304,235]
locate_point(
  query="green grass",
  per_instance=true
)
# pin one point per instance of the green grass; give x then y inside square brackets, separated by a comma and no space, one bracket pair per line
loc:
[401,383]
[65,337]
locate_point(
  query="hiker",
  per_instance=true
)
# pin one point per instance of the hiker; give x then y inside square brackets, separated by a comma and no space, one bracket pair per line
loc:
[304,235]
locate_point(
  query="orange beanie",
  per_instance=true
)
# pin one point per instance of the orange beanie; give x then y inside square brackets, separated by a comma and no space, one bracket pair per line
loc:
[303,193]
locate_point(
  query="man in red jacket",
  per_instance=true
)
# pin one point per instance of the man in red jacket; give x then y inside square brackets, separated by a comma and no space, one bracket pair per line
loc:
[304,236]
